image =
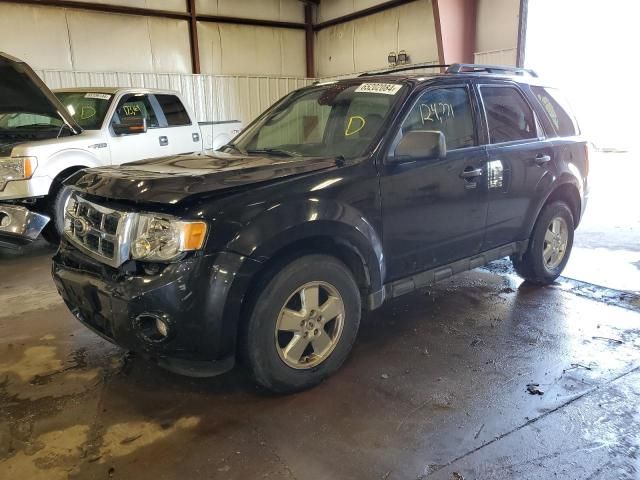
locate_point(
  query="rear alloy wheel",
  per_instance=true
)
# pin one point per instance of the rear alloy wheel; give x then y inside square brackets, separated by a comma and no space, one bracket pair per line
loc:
[555,243]
[302,323]
[549,246]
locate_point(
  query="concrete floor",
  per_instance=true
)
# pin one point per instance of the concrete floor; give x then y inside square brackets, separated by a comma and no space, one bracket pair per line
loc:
[436,388]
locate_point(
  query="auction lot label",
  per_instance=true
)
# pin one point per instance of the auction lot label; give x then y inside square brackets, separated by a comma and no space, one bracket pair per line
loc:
[384,88]
[99,96]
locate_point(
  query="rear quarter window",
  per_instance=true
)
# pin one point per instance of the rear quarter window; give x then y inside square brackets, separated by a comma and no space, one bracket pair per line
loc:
[174,110]
[558,111]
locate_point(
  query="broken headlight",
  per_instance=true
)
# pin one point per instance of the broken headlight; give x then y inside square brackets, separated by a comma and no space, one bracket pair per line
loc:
[159,238]
[16,168]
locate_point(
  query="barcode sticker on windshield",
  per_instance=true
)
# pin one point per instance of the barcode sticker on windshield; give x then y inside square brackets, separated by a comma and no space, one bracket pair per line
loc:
[384,88]
[99,96]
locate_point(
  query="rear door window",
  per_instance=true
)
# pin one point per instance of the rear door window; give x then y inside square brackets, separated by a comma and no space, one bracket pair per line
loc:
[174,110]
[509,116]
[558,111]
[447,110]
[136,106]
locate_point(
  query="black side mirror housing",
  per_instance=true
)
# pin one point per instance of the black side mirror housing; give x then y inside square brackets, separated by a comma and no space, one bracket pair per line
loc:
[130,126]
[420,145]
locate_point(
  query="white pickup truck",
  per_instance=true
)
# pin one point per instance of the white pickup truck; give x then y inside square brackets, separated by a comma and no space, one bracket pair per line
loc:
[47,136]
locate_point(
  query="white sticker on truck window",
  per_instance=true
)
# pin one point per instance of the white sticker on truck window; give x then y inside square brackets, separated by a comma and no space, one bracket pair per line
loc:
[384,88]
[99,96]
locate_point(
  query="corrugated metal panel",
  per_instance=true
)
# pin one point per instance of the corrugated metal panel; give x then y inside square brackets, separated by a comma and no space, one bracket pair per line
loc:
[506,56]
[212,97]
[365,43]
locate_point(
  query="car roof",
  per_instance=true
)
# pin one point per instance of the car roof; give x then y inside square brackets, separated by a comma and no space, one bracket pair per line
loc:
[421,73]
[430,77]
[115,90]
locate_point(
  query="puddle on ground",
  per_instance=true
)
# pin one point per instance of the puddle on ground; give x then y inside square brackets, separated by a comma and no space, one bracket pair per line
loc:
[37,360]
[125,438]
[50,456]
[42,372]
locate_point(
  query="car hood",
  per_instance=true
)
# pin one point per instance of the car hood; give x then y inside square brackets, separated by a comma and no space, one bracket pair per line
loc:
[21,90]
[170,180]
[6,148]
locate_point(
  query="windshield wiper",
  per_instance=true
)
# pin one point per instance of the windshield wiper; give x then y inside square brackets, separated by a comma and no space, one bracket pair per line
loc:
[273,151]
[36,126]
[232,146]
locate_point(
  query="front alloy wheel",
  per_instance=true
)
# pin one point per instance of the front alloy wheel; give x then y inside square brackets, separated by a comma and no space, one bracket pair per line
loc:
[309,325]
[302,321]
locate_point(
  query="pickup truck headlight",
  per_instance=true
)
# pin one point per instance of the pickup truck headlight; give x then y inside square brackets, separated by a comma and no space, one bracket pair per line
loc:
[160,238]
[16,168]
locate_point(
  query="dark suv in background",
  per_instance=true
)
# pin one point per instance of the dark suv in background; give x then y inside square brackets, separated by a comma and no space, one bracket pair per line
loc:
[341,195]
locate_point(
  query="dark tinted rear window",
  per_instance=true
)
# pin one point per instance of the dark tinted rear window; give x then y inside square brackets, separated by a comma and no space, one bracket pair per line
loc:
[174,111]
[509,117]
[558,111]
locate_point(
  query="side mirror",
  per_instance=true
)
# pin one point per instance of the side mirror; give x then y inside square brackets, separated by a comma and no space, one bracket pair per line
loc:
[420,145]
[130,126]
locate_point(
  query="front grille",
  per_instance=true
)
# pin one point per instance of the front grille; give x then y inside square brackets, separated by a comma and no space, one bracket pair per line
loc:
[99,231]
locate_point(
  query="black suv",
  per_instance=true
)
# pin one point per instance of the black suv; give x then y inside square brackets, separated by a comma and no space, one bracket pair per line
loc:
[341,195]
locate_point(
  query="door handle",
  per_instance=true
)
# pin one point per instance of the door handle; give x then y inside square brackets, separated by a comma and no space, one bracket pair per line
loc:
[164,141]
[470,172]
[542,159]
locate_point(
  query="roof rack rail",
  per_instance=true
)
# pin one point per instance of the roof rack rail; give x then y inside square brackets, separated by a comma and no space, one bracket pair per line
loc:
[403,69]
[473,67]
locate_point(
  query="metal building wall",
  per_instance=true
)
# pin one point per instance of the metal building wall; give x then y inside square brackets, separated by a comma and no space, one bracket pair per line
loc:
[212,97]
[505,56]
[426,71]
[497,31]
[330,9]
[77,39]
[364,44]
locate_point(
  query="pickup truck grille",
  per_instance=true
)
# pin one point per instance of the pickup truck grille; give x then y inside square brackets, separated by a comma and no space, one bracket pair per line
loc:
[100,232]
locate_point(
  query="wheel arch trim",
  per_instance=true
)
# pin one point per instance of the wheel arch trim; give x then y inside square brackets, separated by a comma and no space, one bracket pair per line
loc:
[294,227]
[565,188]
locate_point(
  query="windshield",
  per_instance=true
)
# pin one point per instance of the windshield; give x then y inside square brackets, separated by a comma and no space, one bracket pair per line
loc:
[341,119]
[87,109]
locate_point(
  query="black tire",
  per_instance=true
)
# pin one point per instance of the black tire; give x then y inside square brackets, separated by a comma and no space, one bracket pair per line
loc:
[531,266]
[260,351]
[56,201]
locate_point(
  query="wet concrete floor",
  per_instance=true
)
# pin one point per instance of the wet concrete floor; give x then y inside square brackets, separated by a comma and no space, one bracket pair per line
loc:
[436,388]
[606,249]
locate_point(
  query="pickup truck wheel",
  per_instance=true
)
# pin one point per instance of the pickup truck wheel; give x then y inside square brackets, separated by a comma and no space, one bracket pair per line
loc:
[52,233]
[303,324]
[549,246]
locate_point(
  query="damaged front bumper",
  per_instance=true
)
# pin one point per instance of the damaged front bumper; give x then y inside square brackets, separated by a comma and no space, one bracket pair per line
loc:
[184,316]
[19,225]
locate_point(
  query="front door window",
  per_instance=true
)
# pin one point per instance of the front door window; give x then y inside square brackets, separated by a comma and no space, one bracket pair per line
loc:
[447,110]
